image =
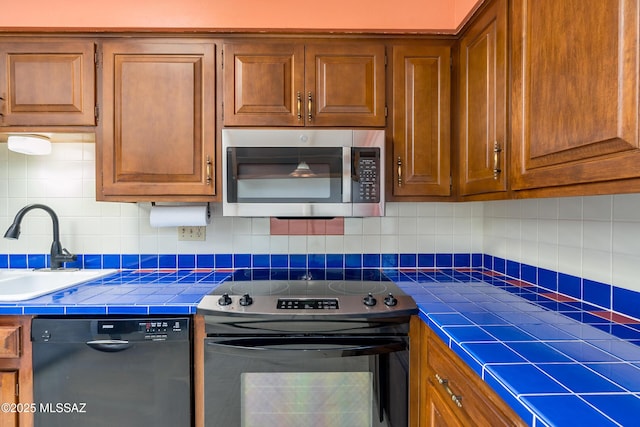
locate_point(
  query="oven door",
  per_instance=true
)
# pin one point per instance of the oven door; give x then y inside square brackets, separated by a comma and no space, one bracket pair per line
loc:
[306,381]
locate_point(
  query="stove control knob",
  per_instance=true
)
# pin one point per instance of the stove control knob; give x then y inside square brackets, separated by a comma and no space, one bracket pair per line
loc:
[369,300]
[390,300]
[225,299]
[246,300]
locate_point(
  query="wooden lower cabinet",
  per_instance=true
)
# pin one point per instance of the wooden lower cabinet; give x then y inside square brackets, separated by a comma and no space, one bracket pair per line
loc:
[16,376]
[437,412]
[448,392]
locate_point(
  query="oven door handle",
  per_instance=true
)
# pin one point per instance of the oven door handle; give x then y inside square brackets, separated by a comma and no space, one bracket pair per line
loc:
[303,347]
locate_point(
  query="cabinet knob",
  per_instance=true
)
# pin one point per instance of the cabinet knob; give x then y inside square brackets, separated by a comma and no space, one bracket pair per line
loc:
[299,99]
[399,163]
[310,107]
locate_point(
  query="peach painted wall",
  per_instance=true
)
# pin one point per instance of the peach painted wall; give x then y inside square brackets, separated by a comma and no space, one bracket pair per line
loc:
[244,14]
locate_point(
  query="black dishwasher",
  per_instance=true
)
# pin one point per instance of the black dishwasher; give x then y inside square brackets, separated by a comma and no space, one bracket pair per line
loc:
[111,372]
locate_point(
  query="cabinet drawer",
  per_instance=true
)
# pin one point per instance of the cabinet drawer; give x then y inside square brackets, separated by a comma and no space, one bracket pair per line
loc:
[9,342]
[466,394]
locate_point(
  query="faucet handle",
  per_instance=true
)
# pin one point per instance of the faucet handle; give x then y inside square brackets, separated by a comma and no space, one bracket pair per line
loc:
[68,255]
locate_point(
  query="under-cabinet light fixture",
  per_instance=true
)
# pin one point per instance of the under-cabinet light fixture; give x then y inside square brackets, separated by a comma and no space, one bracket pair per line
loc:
[35,145]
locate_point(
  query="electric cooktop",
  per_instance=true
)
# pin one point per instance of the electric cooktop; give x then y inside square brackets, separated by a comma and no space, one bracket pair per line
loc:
[315,292]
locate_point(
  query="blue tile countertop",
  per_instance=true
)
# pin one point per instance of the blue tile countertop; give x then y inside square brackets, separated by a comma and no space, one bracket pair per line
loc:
[550,357]
[127,292]
[556,360]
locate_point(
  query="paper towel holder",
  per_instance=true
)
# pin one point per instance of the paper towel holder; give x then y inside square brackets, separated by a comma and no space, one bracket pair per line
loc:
[208,209]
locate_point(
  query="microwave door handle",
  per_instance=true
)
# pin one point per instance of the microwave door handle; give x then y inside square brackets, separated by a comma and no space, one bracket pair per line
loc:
[346,174]
[307,351]
[234,165]
[355,171]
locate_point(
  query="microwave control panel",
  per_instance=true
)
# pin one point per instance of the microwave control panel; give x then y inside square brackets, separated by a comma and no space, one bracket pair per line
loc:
[366,175]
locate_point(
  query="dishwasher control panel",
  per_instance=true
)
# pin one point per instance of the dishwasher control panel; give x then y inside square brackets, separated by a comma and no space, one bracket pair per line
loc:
[160,329]
[123,329]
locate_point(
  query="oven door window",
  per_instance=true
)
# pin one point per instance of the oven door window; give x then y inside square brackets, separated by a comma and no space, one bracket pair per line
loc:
[284,174]
[302,382]
[280,399]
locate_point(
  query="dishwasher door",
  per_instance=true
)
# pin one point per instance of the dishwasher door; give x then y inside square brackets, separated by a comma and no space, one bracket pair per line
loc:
[111,372]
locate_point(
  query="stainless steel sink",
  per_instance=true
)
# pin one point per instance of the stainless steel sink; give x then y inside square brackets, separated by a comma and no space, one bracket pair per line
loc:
[20,285]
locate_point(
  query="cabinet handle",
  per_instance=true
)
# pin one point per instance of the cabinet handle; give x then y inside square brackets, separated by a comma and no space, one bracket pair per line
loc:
[455,397]
[399,171]
[310,107]
[299,99]
[496,160]
[208,170]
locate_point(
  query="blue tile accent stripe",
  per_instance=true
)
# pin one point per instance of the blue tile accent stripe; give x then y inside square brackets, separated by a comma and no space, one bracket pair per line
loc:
[187,261]
[600,295]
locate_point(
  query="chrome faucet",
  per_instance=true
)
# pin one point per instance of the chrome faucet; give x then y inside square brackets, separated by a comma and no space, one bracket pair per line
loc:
[59,255]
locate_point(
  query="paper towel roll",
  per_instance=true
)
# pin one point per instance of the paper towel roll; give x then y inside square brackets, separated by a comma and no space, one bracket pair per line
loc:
[176,216]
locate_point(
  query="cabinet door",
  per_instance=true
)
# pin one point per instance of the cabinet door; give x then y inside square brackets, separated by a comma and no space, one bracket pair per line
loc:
[437,411]
[345,84]
[483,102]
[421,117]
[454,388]
[47,83]
[575,92]
[8,394]
[158,130]
[16,378]
[263,84]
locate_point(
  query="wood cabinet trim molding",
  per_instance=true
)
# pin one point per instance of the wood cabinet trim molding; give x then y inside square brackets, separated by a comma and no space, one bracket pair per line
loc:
[10,341]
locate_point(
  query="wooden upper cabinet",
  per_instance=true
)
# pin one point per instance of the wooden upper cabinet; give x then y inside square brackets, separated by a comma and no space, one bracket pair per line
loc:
[157,139]
[47,82]
[290,83]
[421,161]
[261,82]
[483,102]
[575,92]
[345,84]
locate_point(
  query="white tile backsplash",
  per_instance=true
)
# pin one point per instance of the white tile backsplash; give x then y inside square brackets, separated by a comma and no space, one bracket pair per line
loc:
[593,237]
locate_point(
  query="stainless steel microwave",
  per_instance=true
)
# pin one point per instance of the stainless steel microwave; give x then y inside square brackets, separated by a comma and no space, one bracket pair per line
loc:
[303,173]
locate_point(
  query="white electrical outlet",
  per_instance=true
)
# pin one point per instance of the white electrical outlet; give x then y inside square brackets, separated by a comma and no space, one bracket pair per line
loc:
[198,233]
